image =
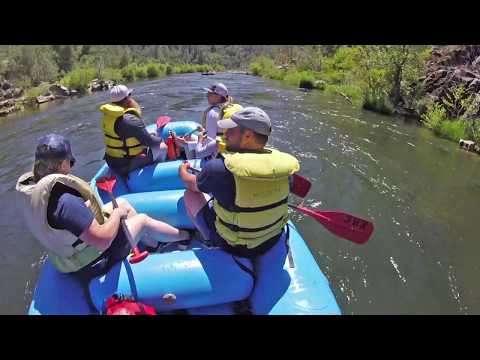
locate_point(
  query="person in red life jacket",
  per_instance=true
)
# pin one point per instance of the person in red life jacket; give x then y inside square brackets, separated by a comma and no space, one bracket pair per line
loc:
[82,237]
[128,144]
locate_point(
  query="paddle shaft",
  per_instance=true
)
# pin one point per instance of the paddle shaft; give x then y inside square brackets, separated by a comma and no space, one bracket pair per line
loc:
[122,222]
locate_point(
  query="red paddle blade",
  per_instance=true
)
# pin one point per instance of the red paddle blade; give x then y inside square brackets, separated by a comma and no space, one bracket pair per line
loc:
[137,257]
[342,224]
[162,121]
[301,186]
[106,183]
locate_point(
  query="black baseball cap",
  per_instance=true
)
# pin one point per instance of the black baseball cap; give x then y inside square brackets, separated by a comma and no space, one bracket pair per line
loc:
[54,146]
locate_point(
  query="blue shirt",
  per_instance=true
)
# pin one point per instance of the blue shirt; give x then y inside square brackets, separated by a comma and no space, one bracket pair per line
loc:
[215,179]
[67,210]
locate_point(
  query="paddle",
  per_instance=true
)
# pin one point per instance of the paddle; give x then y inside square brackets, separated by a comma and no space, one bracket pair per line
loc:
[107,183]
[162,121]
[340,223]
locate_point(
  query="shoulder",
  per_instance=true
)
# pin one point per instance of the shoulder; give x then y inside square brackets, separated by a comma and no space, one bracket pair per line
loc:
[70,200]
[216,166]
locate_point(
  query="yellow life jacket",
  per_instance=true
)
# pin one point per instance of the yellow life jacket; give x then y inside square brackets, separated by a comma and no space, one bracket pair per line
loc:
[261,193]
[226,113]
[65,250]
[115,145]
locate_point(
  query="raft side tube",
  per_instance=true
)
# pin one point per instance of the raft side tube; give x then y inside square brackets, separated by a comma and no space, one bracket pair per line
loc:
[196,278]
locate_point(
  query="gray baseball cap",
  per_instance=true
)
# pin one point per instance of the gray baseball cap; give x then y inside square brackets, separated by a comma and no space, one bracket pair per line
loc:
[252,118]
[218,89]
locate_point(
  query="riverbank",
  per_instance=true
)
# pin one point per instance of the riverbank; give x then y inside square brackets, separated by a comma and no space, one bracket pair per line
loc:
[85,81]
[437,87]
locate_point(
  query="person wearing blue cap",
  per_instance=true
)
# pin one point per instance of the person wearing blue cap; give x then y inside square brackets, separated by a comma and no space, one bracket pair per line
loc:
[128,145]
[249,184]
[82,237]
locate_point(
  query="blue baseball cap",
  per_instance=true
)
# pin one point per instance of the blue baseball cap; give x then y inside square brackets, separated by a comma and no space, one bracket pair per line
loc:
[54,146]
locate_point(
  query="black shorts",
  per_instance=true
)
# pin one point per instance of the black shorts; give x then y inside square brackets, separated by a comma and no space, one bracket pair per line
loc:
[205,223]
[118,251]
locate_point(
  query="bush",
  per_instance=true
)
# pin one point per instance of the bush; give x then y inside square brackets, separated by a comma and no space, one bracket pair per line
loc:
[169,70]
[266,68]
[152,71]
[454,130]
[112,74]
[354,92]
[37,91]
[378,103]
[128,73]
[79,79]
[434,117]
[141,72]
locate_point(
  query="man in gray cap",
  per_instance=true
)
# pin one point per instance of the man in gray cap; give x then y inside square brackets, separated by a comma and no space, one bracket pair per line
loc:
[128,145]
[249,184]
[65,216]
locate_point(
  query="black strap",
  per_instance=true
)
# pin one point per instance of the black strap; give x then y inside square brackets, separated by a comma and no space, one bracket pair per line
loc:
[291,264]
[237,228]
[112,137]
[77,243]
[236,208]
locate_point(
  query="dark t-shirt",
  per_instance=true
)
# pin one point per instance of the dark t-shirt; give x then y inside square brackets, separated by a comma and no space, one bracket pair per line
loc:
[132,126]
[67,210]
[217,180]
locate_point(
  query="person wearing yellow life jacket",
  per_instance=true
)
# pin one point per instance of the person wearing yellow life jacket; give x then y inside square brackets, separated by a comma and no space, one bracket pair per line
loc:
[62,212]
[128,145]
[220,106]
[249,184]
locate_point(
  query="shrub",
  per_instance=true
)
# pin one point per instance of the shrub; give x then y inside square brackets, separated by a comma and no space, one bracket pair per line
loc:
[378,103]
[141,72]
[169,70]
[112,74]
[128,73]
[37,91]
[434,117]
[152,70]
[454,130]
[79,79]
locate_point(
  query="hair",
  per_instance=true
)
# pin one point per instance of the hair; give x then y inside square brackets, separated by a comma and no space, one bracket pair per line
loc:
[260,139]
[42,168]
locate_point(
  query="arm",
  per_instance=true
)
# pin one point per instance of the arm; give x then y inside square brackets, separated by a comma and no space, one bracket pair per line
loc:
[72,214]
[101,236]
[188,179]
[133,126]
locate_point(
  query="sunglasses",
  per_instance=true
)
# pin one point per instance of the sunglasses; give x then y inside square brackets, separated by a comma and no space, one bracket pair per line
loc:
[72,162]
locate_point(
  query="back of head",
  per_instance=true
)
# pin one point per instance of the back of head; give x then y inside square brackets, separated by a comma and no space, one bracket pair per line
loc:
[51,151]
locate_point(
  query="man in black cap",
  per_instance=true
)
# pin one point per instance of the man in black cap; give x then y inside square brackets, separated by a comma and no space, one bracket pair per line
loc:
[65,216]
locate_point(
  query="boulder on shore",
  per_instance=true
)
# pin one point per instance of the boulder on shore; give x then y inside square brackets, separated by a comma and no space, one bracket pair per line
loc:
[100,85]
[59,90]
[45,98]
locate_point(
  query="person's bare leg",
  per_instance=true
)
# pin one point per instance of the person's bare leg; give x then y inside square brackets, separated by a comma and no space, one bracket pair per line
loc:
[159,231]
[194,202]
[123,203]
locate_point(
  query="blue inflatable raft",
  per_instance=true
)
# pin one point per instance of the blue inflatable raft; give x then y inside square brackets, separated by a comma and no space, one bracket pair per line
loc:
[203,281]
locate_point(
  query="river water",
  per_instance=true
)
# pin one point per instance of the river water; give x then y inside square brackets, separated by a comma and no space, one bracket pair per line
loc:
[420,191]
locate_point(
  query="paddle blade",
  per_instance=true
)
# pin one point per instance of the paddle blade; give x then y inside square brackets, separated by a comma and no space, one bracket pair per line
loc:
[301,186]
[342,224]
[106,183]
[162,121]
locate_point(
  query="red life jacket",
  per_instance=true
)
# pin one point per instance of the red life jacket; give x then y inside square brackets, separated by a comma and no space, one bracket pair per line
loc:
[124,305]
